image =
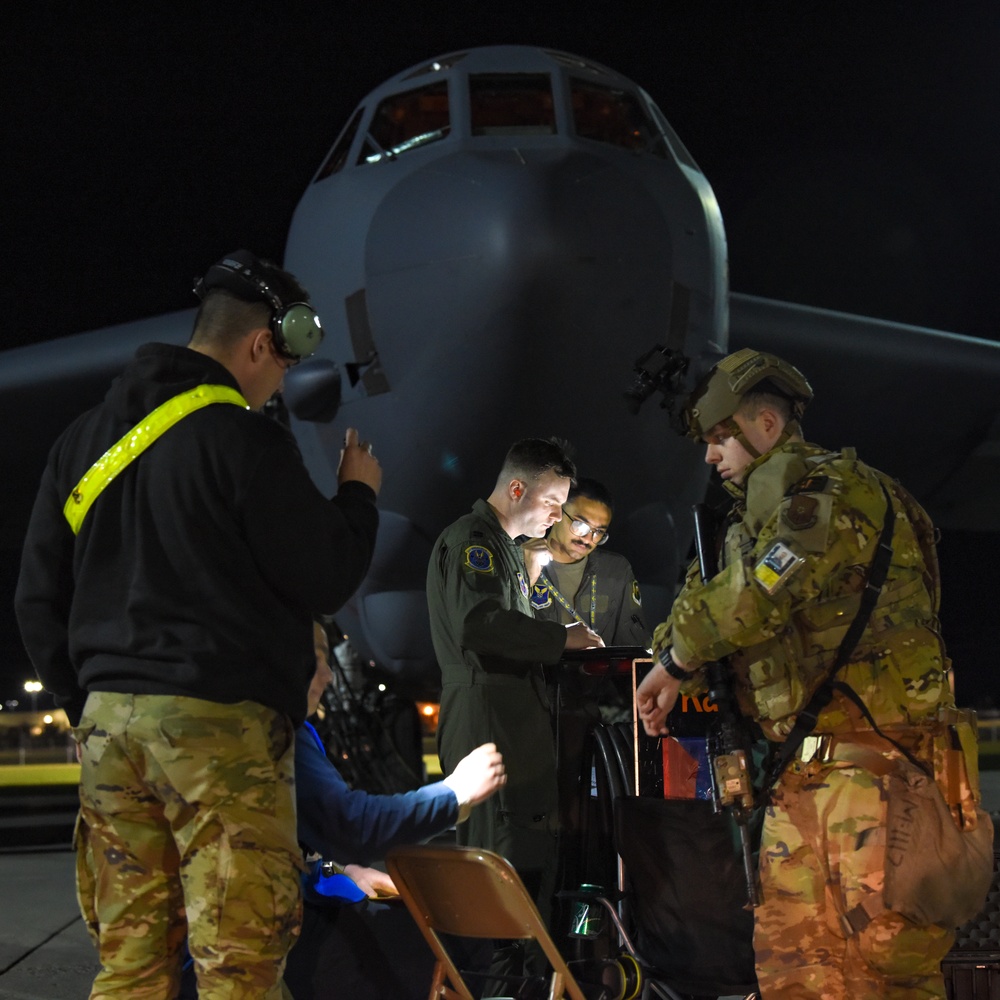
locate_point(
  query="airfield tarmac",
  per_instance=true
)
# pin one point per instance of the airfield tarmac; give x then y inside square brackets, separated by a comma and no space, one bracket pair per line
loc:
[45,953]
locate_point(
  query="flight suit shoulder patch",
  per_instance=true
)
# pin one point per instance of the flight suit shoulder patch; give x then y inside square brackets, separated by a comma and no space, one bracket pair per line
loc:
[541,597]
[480,559]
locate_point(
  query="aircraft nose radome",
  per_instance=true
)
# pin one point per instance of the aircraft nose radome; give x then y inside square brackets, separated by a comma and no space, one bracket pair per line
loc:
[486,227]
[515,208]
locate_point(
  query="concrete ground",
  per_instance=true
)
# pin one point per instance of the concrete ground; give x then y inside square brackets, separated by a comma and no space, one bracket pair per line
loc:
[45,953]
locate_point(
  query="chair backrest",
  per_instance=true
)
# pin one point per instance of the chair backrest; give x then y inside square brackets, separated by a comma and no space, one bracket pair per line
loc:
[471,892]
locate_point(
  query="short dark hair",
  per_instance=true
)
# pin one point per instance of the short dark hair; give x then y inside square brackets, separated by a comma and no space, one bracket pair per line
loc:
[591,489]
[767,393]
[224,318]
[533,457]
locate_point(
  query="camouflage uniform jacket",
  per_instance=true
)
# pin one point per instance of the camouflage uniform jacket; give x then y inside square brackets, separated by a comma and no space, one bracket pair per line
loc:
[797,549]
[608,600]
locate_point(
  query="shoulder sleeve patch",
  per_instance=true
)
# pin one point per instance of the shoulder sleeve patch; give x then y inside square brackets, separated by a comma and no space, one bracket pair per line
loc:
[480,559]
[636,596]
[776,566]
[800,512]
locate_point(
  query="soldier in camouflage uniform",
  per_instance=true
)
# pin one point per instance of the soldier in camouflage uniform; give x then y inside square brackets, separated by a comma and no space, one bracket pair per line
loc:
[167,603]
[798,544]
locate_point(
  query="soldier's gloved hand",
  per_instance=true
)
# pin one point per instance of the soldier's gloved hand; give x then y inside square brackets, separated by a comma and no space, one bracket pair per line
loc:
[579,636]
[476,777]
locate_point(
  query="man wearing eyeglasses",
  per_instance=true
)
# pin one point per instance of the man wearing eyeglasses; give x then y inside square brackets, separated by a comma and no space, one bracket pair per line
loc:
[577,579]
[583,581]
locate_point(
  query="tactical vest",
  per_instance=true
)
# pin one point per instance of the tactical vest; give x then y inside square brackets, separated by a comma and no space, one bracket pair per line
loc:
[780,673]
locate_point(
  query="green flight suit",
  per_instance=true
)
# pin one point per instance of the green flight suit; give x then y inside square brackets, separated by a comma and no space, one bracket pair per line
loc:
[608,600]
[796,553]
[491,649]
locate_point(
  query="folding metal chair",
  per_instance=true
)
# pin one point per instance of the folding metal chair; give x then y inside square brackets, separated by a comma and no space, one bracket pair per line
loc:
[469,892]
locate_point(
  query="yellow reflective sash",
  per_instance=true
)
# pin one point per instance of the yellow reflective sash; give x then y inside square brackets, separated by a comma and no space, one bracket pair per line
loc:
[137,440]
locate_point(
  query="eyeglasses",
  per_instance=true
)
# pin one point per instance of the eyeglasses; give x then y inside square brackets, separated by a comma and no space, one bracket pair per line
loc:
[582,528]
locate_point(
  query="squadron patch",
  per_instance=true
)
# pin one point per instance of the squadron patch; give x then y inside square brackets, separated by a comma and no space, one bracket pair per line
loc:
[523,584]
[541,597]
[479,559]
[636,596]
[778,564]
[800,512]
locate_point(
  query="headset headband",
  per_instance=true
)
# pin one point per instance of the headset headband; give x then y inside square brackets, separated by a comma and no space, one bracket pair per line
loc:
[295,327]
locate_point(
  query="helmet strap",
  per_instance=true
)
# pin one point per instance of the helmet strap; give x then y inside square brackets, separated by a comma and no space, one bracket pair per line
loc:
[792,427]
[737,433]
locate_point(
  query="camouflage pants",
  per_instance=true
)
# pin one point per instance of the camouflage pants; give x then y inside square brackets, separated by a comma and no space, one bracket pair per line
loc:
[187,829]
[822,854]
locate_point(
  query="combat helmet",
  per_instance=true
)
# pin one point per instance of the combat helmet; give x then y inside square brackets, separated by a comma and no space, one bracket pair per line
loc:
[718,396]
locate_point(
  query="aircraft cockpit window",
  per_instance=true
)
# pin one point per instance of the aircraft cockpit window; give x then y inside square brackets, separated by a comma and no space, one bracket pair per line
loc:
[338,155]
[511,104]
[406,121]
[614,116]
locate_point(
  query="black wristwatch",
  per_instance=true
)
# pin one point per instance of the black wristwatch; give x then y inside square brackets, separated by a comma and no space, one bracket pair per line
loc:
[678,673]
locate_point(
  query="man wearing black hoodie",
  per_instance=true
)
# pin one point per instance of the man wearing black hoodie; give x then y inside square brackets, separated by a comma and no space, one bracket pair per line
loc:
[176,557]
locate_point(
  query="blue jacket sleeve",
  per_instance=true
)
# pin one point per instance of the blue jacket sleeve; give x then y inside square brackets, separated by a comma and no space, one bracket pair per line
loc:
[352,826]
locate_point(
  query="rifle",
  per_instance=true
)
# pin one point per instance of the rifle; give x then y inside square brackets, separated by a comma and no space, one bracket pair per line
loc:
[732,784]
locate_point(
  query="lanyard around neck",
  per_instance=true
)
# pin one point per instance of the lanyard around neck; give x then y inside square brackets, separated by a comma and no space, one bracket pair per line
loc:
[569,607]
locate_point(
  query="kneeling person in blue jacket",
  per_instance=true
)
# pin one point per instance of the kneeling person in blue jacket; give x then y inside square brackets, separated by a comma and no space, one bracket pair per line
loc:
[351,945]
[371,949]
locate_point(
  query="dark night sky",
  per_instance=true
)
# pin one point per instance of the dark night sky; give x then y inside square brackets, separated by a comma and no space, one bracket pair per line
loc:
[852,146]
